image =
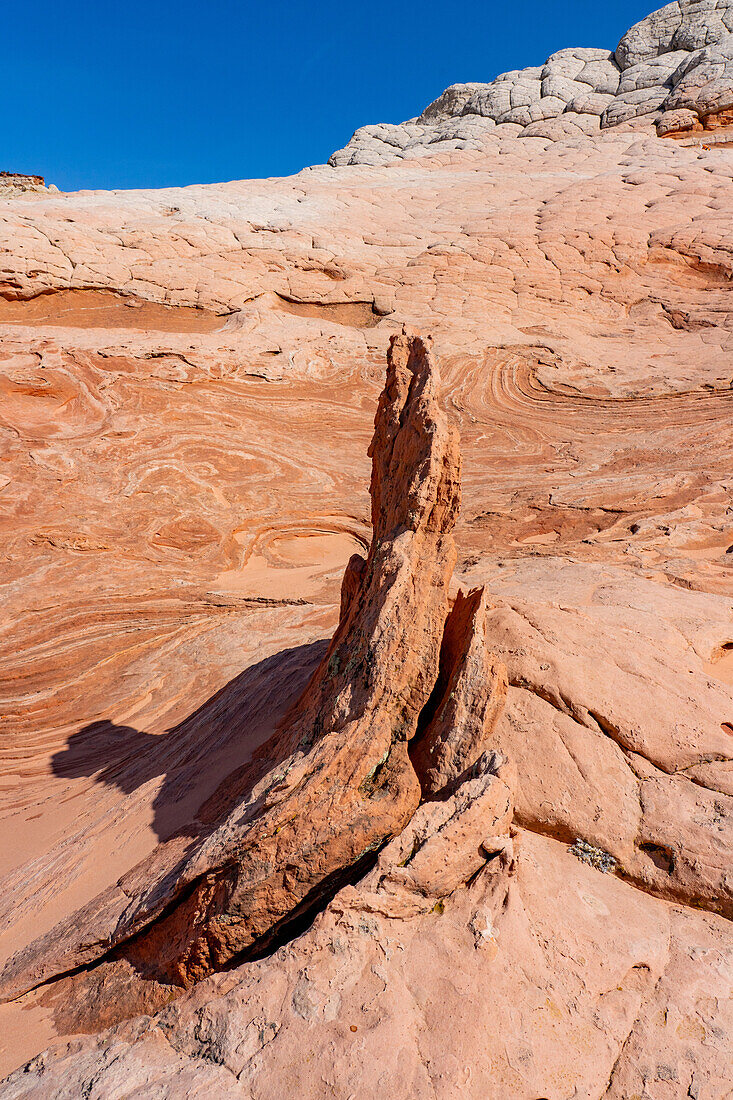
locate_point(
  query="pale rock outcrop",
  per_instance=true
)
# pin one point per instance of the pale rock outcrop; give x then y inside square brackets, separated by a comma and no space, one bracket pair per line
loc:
[631,105]
[567,125]
[349,1006]
[655,73]
[561,87]
[678,121]
[682,25]
[450,103]
[590,103]
[703,84]
[678,57]
[602,76]
[537,111]
[490,101]
[594,763]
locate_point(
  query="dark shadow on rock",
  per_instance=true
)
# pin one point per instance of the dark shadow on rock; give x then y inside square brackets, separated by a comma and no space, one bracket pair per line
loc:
[206,760]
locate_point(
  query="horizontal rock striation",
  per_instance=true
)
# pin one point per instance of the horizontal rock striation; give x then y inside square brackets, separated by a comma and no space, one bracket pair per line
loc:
[674,68]
[15,183]
[19,179]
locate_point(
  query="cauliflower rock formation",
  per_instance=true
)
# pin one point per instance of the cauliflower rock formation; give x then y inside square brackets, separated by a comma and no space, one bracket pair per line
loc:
[674,68]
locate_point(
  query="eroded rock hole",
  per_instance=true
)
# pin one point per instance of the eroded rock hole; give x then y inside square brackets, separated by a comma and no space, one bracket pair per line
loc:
[90,308]
[353,314]
[661,857]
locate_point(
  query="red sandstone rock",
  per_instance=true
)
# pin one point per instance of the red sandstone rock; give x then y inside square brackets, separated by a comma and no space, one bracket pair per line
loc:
[336,782]
[466,702]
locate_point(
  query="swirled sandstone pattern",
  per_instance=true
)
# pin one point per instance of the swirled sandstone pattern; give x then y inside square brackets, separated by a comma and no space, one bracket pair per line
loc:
[336,781]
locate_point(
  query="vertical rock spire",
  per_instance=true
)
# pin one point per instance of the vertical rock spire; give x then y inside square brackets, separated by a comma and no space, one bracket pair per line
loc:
[336,781]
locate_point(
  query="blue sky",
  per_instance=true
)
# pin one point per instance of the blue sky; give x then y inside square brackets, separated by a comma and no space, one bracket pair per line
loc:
[101,94]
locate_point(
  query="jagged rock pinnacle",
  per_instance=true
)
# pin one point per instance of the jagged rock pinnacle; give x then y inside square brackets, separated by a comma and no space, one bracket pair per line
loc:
[336,782]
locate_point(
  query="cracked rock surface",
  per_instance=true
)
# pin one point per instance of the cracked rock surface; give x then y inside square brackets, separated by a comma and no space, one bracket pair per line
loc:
[673,69]
[354,1007]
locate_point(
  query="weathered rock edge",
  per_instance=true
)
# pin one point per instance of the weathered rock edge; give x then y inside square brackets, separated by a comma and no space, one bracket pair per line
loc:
[336,782]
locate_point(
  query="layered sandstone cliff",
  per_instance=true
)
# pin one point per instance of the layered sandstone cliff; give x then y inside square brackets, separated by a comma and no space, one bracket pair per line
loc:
[13,183]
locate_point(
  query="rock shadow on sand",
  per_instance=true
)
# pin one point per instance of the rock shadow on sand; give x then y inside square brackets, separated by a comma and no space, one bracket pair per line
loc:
[217,740]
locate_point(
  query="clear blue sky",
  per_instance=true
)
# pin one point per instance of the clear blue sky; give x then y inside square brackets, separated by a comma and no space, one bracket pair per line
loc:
[129,94]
